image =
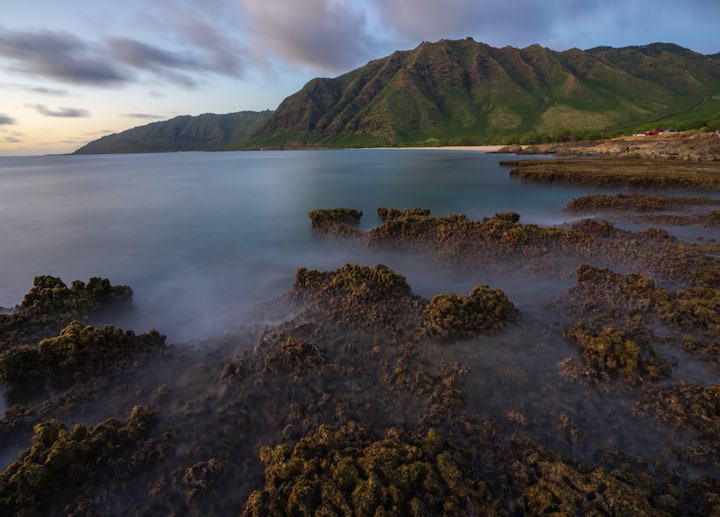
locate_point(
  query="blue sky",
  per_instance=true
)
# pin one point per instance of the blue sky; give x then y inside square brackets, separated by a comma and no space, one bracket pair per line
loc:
[74,70]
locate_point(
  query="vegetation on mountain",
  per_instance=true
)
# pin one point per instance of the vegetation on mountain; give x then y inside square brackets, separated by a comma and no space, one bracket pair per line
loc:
[208,132]
[463,92]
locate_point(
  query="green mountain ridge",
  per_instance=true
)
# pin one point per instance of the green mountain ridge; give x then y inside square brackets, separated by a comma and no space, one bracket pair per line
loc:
[207,132]
[462,92]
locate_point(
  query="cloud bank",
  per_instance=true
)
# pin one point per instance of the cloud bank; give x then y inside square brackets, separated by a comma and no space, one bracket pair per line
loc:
[558,24]
[57,55]
[116,61]
[328,35]
[60,112]
[183,42]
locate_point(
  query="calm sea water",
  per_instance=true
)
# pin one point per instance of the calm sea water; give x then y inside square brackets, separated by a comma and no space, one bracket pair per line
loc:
[198,236]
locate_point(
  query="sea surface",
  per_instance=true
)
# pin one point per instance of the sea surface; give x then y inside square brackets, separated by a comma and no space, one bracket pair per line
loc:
[203,237]
[199,236]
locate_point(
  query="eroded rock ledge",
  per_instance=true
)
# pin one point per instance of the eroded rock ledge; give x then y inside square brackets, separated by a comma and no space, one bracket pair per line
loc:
[689,146]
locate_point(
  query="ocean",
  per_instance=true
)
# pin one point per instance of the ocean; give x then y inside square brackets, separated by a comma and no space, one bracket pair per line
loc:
[200,237]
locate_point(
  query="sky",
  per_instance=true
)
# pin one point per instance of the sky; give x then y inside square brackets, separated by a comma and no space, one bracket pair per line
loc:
[72,71]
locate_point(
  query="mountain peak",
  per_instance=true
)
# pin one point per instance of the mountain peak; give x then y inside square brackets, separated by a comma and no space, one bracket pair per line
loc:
[466,91]
[461,92]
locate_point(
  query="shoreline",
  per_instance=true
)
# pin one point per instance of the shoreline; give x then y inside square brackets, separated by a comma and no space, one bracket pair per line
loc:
[483,148]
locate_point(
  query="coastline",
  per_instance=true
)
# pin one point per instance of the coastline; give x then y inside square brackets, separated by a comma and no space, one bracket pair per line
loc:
[483,148]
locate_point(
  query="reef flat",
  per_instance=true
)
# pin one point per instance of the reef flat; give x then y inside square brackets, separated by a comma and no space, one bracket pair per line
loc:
[362,397]
[622,172]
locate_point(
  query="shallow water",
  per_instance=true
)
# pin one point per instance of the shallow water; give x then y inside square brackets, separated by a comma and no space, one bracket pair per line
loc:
[200,236]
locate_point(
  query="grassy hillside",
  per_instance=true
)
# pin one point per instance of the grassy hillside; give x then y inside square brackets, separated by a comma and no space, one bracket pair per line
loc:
[464,92]
[208,132]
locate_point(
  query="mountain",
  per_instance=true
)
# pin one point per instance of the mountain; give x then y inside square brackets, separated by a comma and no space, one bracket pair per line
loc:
[465,92]
[461,92]
[208,132]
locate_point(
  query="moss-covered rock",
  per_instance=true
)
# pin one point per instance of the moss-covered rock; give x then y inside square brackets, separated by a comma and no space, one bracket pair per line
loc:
[79,351]
[344,472]
[635,202]
[62,462]
[611,354]
[292,354]
[50,305]
[372,297]
[695,308]
[687,404]
[628,310]
[336,221]
[388,214]
[451,316]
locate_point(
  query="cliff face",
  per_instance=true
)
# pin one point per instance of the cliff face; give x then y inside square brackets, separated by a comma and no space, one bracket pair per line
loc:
[468,92]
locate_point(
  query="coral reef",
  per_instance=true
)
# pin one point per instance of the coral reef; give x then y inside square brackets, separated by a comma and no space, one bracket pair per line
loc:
[51,305]
[53,474]
[619,172]
[451,316]
[504,244]
[375,297]
[611,354]
[636,202]
[338,222]
[345,473]
[363,398]
[79,351]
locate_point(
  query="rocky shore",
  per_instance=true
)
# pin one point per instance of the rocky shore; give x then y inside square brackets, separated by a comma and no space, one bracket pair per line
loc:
[365,398]
[689,146]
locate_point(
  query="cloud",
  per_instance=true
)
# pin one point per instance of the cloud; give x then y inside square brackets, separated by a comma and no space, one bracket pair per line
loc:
[57,55]
[60,112]
[64,57]
[557,24]
[6,120]
[141,115]
[324,34]
[56,92]
[524,21]
[148,57]
[221,53]
[11,140]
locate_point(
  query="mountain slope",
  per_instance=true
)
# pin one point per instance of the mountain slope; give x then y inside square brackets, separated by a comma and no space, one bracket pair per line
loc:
[208,132]
[467,92]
